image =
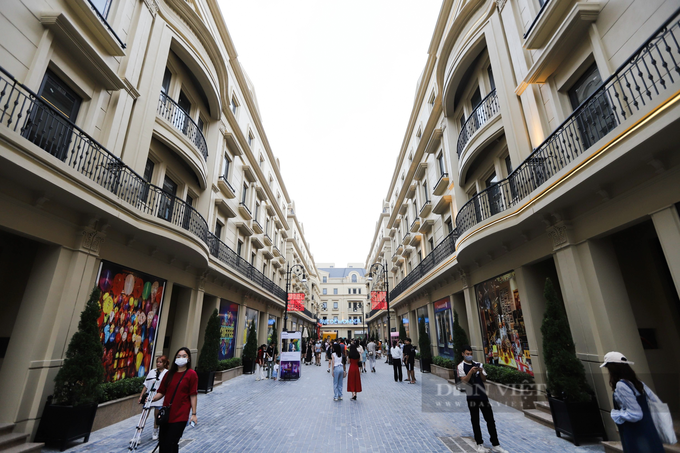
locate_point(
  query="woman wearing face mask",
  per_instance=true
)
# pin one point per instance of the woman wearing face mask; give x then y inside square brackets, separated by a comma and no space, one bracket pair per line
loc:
[181,386]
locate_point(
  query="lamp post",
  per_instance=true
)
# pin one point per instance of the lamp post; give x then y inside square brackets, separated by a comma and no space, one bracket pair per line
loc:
[289,270]
[381,273]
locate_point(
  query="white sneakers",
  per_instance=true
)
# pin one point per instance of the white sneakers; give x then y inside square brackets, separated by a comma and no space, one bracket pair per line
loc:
[155,434]
[499,449]
[481,448]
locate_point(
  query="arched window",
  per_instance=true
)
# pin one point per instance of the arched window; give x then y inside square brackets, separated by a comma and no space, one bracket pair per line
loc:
[354,278]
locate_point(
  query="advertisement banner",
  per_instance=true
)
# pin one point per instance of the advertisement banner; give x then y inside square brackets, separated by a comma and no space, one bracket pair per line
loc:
[378,300]
[290,356]
[252,317]
[504,336]
[130,303]
[228,317]
[444,323]
[296,302]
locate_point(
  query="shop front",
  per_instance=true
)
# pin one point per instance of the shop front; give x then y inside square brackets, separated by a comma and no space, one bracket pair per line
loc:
[444,324]
[228,318]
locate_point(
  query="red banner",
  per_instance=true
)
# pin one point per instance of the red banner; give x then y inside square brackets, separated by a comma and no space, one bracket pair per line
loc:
[378,300]
[296,302]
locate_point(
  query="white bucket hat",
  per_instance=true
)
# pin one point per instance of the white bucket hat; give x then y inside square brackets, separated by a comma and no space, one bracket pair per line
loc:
[615,357]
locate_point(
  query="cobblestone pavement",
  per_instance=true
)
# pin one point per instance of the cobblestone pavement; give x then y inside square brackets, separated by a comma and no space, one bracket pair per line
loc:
[243,415]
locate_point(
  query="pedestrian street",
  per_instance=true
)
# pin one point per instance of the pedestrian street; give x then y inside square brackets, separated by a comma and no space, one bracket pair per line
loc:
[244,415]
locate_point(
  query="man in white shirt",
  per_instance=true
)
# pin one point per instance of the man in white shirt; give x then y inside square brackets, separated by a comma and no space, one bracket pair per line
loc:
[396,361]
[371,354]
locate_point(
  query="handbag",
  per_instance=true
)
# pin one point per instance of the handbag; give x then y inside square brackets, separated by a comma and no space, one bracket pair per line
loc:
[163,416]
[663,421]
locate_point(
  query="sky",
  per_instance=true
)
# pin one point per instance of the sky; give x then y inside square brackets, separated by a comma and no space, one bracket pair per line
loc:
[335,82]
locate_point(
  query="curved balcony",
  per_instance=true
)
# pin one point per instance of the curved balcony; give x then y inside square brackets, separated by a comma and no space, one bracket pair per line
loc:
[637,84]
[180,119]
[24,112]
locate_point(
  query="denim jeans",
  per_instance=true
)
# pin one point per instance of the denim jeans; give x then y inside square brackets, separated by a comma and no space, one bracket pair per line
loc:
[338,375]
[270,369]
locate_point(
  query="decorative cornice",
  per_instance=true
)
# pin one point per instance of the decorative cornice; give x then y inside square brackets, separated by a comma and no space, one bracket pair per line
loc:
[559,233]
[152,6]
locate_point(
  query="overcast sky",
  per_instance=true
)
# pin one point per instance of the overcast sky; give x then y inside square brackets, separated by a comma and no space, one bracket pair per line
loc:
[335,82]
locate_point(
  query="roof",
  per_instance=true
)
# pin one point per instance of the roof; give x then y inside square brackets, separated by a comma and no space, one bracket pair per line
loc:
[342,272]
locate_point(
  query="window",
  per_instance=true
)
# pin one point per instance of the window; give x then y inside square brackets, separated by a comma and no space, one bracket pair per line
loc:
[359,290]
[325,279]
[335,318]
[596,118]
[475,101]
[508,164]
[335,306]
[440,162]
[349,290]
[226,163]
[148,176]
[335,290]
[325,291]
[427,195]
[218,230]
[167,199]
[239,247]
[493,193]
[244,194]
[324,306]
[431,100]
[449,225]
[462,121]
[354,290]
[354,278]
[252,258]
[234,105]
[250,139]
[165,87]
[257,212]
[492,82]
[182,121]
[431,244]
[103,6]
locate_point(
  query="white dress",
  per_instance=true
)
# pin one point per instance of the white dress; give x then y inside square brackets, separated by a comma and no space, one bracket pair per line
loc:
[150,381]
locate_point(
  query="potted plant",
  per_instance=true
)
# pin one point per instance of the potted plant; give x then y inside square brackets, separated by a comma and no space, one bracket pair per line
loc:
[573,405]
[250,351]
[460,340]
[402,330]
[70,411]
[208,361]
[275,339]
[425,347]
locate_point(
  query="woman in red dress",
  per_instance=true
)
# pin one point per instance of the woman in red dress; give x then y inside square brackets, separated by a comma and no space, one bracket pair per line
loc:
[354,375]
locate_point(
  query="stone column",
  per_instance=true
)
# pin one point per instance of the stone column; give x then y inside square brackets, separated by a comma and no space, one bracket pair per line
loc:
[238,350]
[433,329]
[667,225]
[473,320]
[163,322]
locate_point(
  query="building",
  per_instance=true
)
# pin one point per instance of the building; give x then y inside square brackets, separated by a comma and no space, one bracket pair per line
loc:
[343,300]
[133,159]
[541,145]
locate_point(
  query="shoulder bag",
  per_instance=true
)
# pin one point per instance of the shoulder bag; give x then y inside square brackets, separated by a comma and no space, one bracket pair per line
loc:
[163,416]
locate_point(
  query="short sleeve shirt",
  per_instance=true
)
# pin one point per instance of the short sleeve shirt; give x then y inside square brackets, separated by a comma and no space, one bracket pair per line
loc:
[181,404]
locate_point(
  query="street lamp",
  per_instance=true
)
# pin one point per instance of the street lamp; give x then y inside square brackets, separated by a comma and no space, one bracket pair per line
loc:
[289,270]
[381,274]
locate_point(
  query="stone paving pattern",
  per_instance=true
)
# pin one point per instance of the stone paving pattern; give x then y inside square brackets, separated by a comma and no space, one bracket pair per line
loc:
[244,415]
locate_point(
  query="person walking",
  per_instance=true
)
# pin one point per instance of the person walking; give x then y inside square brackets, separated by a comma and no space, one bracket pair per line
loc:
[354,376]
[259,363]
[182,384]
[364,356]
[317,353]
[153,380]
[371,355]
[308,354]
[269,354]
[410,361]
[631,410]
[339,371]
[396,361]
[472,374]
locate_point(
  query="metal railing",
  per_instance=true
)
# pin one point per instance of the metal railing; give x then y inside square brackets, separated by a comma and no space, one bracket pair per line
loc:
[540,13]
[642,78]
[426,204]
[226,181]
[180,119]
[442,251]
[105,22]
[21,110]
[486,110]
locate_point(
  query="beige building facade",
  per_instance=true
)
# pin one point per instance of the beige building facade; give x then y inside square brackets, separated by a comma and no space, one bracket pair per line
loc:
[542,144]
[343,302]
[131,139]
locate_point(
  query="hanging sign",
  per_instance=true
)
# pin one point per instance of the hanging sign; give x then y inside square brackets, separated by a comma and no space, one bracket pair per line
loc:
[296,302]
[378,300]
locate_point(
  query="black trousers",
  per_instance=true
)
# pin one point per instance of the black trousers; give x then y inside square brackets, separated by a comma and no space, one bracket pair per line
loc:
[475,406]
[396,363]
[169,436]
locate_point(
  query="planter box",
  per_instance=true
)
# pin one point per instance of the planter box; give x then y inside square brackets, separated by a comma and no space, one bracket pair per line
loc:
[578,420]
[118,410]
[206,381]
[248,366]
[221,376]
[63,424]
[425,365]
[510,396]
[446,373]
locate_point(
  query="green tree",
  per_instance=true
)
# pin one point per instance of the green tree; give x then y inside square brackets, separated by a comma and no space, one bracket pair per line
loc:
[275,339]
[460,338]
[565,373]
[402,330]
[78,381]
[424,340]
[209,358]
[250,348]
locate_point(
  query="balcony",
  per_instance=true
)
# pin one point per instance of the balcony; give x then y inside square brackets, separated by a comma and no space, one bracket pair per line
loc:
[267,240]
[267,253]
[441,185]
[244,211]
[276,251]
[25,113]
[638,86]
[442,205]
[426,226]
[224,207]
[257,243]
[407,251]
[407,238]
[244,228]
[421,170]
[225,188]
[393,231]
[257,228]
[403,208]
[175,115]
[411,191]
[481,115]
[415,240]
[426,209]
[415,225]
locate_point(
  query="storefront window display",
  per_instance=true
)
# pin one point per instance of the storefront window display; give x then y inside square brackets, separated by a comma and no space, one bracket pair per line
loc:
[503,331]
[404,320]
[444,324]
[422,314]
[252,317]
[228,317]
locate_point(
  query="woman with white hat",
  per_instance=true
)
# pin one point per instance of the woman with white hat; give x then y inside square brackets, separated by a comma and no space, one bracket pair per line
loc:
[631,409]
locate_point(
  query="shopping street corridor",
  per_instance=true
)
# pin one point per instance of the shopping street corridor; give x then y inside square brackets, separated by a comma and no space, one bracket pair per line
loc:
[244,415]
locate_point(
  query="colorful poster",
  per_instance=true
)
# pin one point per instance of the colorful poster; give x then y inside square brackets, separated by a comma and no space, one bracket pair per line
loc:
[252,317]
[378,300]
[296,302]
[228,317]
[444,323]
[291,356]
[130,304]
[270,328]
[504,335]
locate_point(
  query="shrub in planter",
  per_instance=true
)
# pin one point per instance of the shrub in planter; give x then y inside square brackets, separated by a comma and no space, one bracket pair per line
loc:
[228,364]
[70,411]
[250,351]
[573,405]
[208,361]
[402,330]
[509,376]
[120,389]
[425,354]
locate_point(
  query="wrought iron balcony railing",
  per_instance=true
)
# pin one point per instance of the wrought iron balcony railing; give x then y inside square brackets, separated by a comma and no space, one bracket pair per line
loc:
[538,16]
[180,119]
[24,112]
[639,81]
[479,117]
